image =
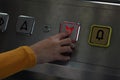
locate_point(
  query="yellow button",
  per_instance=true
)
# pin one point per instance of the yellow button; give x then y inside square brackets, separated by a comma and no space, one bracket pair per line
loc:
[100,35]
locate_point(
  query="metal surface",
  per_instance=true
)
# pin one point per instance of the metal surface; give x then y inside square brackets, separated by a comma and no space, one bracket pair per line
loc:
[88,62]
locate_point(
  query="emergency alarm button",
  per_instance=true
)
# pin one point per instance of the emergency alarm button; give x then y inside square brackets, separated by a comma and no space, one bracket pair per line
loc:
[100,35]
[4,17]
[25,24]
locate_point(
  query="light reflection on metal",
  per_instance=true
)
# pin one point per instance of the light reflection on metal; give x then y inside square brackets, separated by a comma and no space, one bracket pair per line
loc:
[108,3]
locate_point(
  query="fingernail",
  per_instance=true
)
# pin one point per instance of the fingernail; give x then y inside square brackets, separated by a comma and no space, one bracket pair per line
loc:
[72,46]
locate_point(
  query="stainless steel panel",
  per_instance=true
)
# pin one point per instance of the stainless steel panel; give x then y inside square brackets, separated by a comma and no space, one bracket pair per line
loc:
[96,63]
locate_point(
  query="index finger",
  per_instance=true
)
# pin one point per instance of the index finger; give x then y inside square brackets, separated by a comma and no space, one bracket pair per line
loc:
[62,35]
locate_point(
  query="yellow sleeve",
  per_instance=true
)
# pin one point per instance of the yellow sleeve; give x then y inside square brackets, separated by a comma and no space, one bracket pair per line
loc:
[16,60]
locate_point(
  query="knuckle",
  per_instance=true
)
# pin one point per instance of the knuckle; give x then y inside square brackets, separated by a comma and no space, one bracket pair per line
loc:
[66,58]
[61,58]
[50,38]
[62,34]
[69,40]
[60,42]
[66,49]
[69,48]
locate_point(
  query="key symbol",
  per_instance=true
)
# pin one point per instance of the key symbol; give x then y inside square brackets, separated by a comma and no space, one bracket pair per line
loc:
[100,34]
[24,26]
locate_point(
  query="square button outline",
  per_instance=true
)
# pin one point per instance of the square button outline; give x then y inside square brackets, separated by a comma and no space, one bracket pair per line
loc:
[25,16]
[109,37]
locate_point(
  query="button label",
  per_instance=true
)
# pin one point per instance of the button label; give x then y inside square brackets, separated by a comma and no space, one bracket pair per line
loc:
[24,26]
[100,35]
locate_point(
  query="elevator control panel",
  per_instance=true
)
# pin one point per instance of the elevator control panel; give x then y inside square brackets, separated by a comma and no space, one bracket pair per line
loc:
[100,35]
[72,28]
[25,24]
[4,17]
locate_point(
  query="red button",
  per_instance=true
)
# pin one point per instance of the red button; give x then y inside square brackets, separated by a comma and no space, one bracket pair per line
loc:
[69,29]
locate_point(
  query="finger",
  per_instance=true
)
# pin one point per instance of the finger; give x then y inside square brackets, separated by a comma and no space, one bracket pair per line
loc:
[63,58]
[66,41]
[62,35]
[72,46]
[66,49]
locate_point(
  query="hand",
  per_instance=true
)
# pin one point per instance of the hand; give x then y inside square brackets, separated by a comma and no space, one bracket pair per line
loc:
[50,49]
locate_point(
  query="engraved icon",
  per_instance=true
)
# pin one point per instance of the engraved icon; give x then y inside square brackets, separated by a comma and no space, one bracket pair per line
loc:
[24,26]
[100,35]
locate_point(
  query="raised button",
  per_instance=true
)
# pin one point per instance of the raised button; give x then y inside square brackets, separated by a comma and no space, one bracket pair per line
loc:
[25,24]
[100,35]
[72,28]
[4,17]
